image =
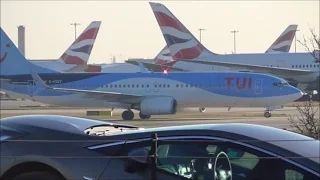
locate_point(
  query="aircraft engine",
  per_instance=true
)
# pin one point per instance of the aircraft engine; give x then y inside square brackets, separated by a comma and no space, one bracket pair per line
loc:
[202,109]
[158,106]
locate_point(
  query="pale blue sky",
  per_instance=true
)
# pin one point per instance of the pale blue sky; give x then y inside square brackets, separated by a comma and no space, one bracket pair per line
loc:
[130,28]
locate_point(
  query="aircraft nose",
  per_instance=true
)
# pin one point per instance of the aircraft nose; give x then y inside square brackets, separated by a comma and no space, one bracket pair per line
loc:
[295,93]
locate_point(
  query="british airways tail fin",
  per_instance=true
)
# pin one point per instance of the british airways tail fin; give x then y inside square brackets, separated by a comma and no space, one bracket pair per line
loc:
[79,51]
[284,41]
[180,41]
[163,57]
[12,62]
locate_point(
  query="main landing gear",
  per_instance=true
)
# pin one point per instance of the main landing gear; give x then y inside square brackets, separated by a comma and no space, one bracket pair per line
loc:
[129,115]
[142,116]
[267,114]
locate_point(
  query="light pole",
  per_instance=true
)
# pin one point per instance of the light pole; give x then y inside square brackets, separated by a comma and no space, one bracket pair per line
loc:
[200,30]
[234,40]
[295,40]
[75,29]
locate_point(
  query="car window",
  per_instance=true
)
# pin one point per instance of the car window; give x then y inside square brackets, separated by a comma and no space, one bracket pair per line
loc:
[196,160]
[293,175]
[248,160]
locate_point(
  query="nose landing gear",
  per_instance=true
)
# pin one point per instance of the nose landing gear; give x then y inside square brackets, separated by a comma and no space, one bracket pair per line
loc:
[267,114]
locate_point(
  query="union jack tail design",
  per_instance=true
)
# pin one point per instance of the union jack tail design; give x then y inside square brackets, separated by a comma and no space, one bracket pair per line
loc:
[180,41]
[284,41]
[79,51]
[163,57]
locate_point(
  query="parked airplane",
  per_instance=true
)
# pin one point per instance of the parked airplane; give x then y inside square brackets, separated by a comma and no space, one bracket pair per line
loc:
[189,54]
[284,41]
[282,44]
[75,58]
[150,93]
[162,61]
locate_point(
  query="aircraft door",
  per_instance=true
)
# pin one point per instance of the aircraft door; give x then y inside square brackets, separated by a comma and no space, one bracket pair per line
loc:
[31,87]
[258,86]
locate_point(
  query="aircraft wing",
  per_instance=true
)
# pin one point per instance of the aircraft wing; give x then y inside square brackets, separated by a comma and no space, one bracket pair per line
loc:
[256,68]
[5,80]
[108,96]
[155,67]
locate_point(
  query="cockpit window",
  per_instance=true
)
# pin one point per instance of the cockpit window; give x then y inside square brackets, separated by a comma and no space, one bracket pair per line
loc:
[280,84]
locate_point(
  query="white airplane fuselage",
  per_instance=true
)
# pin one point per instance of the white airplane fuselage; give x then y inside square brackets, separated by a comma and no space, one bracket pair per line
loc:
[302,61]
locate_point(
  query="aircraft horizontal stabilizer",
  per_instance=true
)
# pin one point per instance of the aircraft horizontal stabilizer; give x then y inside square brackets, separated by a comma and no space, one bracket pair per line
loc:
[155,67]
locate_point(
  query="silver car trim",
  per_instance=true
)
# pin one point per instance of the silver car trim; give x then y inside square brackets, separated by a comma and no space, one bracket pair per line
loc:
[211,138]
[106,145]
[87,178]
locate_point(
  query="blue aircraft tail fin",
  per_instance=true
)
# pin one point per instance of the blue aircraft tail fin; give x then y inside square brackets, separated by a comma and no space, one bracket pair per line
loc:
[12,61]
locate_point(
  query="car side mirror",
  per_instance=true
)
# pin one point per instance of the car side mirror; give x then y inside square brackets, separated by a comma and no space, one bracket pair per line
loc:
[138,160]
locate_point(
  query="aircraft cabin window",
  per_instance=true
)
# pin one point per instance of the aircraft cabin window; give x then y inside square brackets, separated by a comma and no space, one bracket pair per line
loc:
[132,85]
[307,65]
[318,65]
[299,66]
[142,86]
[159,85]
[124,86]
[137,85]
[177,85]
[303,66]
[128,85]
[110,85]
[155,85]
[168,85]
[119,85]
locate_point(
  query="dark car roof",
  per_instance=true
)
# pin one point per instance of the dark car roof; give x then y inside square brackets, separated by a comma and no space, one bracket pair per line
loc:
[54,122]
[296,143]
